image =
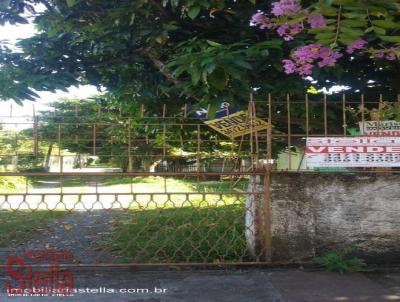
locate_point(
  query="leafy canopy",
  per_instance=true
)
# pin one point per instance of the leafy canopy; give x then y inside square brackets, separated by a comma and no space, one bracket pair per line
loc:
[201,52]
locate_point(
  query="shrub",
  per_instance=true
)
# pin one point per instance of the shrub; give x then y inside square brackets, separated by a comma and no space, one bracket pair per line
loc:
[340,261]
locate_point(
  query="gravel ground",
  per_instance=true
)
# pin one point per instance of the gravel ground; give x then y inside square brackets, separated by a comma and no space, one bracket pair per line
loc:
[80,233]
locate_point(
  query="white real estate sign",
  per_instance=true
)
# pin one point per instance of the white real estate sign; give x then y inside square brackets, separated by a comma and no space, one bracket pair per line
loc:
[380,128]
[353,152]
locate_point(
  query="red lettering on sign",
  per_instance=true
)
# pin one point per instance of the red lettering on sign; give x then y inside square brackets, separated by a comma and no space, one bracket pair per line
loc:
[353,149]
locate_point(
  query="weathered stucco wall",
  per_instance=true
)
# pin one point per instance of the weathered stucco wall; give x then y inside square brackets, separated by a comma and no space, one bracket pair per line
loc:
[312,213]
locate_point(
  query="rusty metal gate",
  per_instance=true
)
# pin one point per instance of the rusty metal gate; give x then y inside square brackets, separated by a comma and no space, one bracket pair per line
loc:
[96,186]
[100,187]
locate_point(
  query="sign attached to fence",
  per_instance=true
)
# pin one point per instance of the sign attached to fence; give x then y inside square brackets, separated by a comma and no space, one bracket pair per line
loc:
[237,124]
[364,151]
[380,128]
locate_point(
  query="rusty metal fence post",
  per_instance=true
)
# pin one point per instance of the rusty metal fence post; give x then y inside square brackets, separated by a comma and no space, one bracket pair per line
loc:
[267,188]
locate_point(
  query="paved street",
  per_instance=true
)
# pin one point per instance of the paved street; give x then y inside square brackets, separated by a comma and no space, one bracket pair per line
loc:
[233,286]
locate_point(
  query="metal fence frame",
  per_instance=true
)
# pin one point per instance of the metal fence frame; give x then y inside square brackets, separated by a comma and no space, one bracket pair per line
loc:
[259,147]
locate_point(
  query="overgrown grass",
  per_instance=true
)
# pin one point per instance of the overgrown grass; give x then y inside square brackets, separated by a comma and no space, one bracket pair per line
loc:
[184,228]
[182,235]
[16,227]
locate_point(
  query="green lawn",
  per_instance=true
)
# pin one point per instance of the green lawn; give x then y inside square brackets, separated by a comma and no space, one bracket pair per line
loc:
[16,227]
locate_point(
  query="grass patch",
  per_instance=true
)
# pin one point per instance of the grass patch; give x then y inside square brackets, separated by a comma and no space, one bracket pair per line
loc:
[136,184]
[341,261]
[217,186]
[16,227]
[213,234]
[194,227]
[146,184]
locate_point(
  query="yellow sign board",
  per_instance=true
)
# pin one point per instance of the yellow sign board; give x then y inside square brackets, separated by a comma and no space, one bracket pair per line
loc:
[237,124]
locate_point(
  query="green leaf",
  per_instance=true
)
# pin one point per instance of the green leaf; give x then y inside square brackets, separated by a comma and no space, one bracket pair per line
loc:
[195,73]
[346,2]
[328,11]
[351,31]
[218,79]
[327,29]
[353,23]
[194,11]
[327,2]
[212,43]
[378,12]
[243,64]
[210,68]
[386,24]
[212,110]
[355,15]
[394,39]
[71,3]
[323,36]
[379,31]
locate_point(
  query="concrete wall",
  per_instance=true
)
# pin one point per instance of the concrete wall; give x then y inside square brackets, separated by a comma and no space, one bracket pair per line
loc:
[312,213]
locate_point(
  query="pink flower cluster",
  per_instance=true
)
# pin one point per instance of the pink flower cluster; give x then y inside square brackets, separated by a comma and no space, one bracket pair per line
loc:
[356,45]
[306,58]
[287,31]
[390,54]
[316,21]
[286,8]
[260,20]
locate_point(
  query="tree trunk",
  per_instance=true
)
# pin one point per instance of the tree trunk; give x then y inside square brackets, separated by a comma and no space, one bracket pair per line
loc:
[48,156]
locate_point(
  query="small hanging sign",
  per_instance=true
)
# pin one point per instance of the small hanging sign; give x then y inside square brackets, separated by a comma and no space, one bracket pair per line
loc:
[380,128]
[237,124]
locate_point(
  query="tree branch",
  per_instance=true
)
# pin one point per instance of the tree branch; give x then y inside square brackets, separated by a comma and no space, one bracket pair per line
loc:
[150,54]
